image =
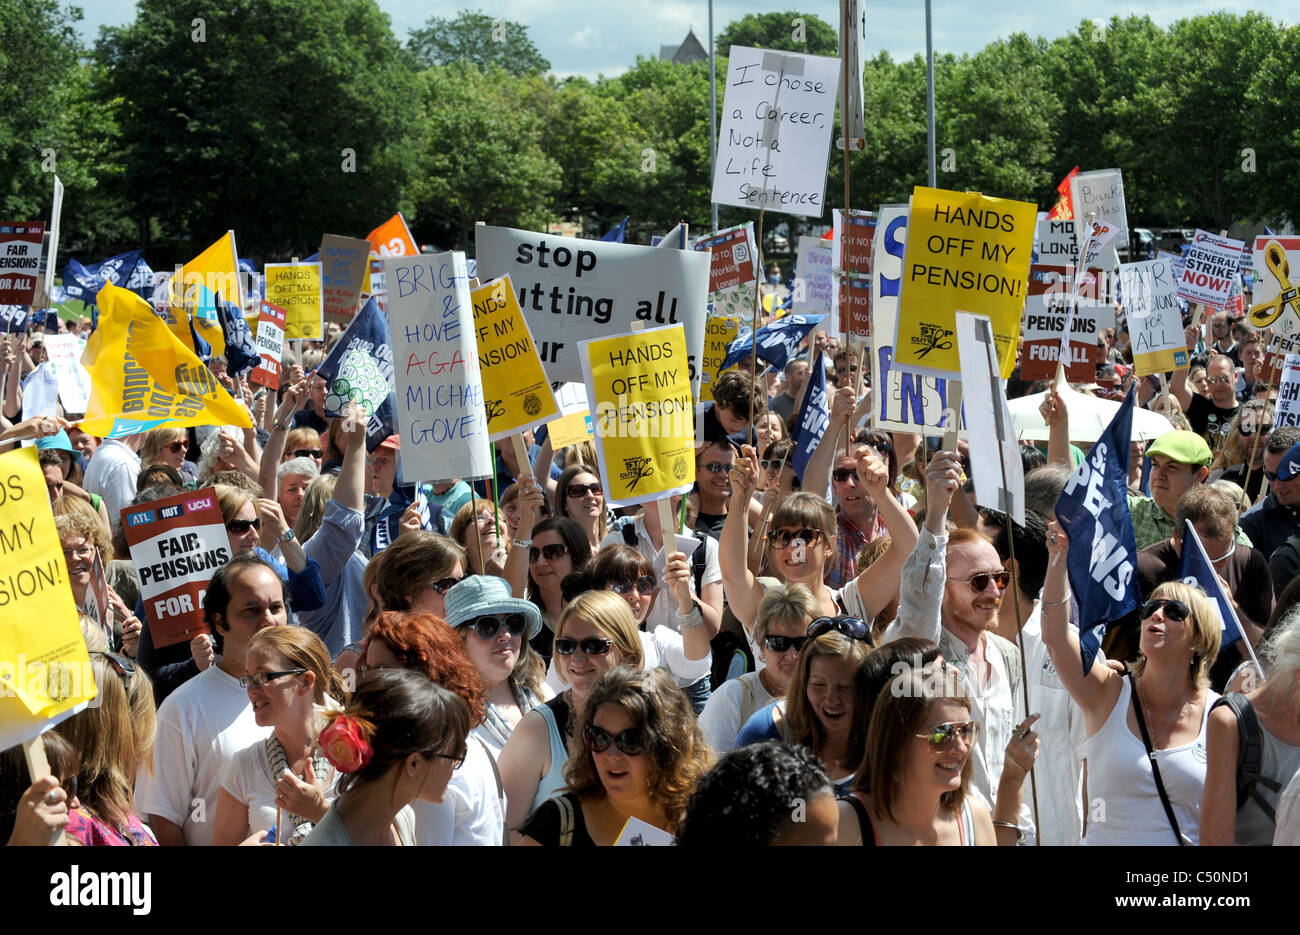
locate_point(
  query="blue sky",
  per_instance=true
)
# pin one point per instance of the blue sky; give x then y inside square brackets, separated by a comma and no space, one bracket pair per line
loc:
[588,38]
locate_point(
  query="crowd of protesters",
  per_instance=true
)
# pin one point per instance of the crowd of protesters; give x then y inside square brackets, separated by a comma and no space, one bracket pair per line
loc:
[840,657]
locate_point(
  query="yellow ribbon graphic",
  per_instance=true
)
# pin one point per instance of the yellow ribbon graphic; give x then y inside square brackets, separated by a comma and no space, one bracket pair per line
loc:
[1265,313]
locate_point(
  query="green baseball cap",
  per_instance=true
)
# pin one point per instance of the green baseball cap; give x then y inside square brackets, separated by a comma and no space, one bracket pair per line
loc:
[1182,446]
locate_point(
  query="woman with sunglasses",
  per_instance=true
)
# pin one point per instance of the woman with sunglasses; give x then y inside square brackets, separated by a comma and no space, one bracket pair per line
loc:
[819,707]
[582,499]
[113,739]
[1244,445]
[1146,745]
[777,458]
[289,680]
[914,785]
[495,628]
[595,633]
[399,739]
[473,810]
[780,630]
[303,442]
[555,549]
[168,446]
[639,754]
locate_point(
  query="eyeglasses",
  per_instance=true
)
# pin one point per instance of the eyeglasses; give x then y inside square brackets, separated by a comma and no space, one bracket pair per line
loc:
[84,551]
[631,741]
[941,734]
[717,467]
[456,761]
[1176,611]
[1249,429]
[1270,476]
[645,586]
[783,644]
[261,679]
[176,447]
[489,625]
[581,490]
[315,453]
[241,526]
[1223,378]
[591,646]
[855,628]
[981,581]
[551,552]
[780,538]
[443,585]
[841,475]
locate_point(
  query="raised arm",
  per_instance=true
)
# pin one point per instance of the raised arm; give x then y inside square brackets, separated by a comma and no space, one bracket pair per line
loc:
[920,597]
[530,508]
[274,449]
[817,476]
[878,583]
[1178,386]
[742,589]
[1057,418]
[349,490]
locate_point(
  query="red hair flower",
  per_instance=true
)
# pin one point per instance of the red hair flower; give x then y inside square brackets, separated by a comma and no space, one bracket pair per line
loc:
[344,744]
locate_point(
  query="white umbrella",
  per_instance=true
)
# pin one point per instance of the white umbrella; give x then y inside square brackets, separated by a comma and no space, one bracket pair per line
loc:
[1089,416]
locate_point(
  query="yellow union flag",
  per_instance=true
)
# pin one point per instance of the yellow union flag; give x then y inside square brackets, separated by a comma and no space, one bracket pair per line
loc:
[965,252]
[44,668]
[640,387]
[208,279]
[516,393]
[143,378]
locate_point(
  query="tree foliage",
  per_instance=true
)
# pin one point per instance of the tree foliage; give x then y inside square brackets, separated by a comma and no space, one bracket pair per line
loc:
[791,31]
[479,39]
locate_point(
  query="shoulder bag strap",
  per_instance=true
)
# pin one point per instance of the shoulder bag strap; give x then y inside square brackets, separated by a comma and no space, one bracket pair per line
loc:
[501,793]
[566,820]
[1155,765]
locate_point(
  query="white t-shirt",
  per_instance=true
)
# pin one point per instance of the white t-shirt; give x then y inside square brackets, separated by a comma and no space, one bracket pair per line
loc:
[730,707]
[662,613]
[248,779]
[470,812]
[663,649]
[201,727]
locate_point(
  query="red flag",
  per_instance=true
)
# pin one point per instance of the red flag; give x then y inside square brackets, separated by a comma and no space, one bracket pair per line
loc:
[1063,210]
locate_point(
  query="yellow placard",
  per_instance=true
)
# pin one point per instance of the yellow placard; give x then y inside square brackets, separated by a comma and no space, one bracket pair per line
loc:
[44,667]
[516,393]
[295,287]
[142,377]
[965,252]
[718,335]
[573,429]
[210,278]
[640,385]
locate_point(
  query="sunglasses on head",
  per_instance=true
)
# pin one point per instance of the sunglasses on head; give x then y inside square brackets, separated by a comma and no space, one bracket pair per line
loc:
[241,526]
[551,552]
[717,467]
[631,741]
[591,646]
[645,586]
[783,644]
[489,625]
[780,538]
[176,447]
[941,734]
[120,664]
[443,585]
[581,490]
[1174,610]
[855,628]
[316,453]
[981,581]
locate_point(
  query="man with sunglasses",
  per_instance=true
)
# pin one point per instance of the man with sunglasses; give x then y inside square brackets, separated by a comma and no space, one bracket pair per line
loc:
[1276,518]
[712,492]
[951,592]
[1210,418]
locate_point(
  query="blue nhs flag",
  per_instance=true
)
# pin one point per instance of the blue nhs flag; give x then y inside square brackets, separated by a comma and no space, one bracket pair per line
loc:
[1093,510]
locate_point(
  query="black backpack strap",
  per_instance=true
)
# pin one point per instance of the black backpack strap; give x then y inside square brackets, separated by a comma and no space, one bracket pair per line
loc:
[1155,765]
[698,558]
[1251,755]
[866,830]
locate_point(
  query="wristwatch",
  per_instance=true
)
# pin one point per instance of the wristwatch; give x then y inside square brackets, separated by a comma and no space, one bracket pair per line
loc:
[287,536]
[522,543]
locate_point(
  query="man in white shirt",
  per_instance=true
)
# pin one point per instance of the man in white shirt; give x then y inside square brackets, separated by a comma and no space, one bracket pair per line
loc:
[205,722]
[113,472]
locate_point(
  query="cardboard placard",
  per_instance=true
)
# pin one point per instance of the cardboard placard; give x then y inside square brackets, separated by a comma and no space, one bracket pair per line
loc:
[1155,323]
[718,335]
[512,372]
[343,263]
[295,287]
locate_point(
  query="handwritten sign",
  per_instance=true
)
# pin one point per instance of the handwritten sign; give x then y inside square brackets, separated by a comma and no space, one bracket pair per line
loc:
[343,262]
[965,252]
[1099,195]
[645,418]
[269,341]
[518,394]
[64,353]
[20,260]
[774,145]
[814,287]
[439,391]
[295,287]
[1155,322]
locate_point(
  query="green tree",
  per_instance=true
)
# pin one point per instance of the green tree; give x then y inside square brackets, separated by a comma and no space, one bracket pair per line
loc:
[480,155]
[281,119]
[791,31]
[479,39]
[1274,113]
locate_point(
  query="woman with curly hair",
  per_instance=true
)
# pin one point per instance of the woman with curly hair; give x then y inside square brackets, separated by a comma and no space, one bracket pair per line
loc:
[640,754]
[399,739]
[473,810]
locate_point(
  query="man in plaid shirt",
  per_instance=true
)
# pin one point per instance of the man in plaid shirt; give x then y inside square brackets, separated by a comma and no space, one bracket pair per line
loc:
[1179,460]
[857,521]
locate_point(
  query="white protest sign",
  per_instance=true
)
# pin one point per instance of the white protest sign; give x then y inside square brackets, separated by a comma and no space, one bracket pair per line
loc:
[64,352]
[1288,405]
[41,392]
[1210,269]
[1099,195]
[435,361]
[573,290]
[814,289]
[56,214]
[905,402]
[996,468]
[774,144]
[1155,323]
